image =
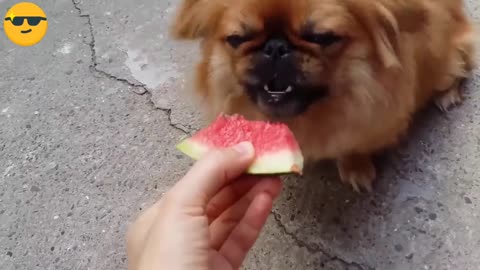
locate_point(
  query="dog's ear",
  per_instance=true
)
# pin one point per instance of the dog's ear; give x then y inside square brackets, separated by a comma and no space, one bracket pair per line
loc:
[196,19]
[385,20]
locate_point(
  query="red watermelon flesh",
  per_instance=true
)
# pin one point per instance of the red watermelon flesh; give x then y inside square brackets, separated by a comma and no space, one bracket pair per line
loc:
[276,148]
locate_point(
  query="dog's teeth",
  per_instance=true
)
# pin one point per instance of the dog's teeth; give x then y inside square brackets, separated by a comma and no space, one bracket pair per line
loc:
[265,87]
[289,89]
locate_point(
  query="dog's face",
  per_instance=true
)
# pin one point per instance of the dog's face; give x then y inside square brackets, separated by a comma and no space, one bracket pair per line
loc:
[284,56]
[290,55]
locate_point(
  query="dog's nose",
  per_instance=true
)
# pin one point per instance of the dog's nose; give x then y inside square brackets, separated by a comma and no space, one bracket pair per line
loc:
[277,48]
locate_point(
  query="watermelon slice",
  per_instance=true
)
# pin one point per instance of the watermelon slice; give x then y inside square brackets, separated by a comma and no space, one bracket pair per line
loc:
[276,149]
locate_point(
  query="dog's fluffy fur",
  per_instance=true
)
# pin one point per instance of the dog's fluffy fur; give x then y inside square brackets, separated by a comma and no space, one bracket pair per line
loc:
[394,57]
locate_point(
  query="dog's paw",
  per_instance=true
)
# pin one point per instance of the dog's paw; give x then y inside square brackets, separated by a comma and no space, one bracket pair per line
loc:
[450,98]
[358,171]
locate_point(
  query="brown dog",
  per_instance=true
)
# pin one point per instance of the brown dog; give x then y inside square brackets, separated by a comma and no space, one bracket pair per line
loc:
[346,75]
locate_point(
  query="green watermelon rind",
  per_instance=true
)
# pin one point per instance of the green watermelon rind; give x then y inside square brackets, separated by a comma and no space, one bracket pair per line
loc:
[281,162]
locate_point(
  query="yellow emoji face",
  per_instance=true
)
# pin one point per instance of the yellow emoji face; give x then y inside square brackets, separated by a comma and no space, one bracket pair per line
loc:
[25,24]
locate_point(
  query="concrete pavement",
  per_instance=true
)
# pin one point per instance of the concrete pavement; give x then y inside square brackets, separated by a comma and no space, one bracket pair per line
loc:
[88,122]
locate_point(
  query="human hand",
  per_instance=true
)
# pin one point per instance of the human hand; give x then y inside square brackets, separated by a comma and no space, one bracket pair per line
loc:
[209,220]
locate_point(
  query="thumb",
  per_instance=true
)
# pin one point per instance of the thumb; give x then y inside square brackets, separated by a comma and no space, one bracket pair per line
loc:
[214,171]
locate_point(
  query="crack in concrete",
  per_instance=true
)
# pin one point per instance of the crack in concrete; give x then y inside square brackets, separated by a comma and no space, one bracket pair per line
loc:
[139,89]
[168,112]
[314,248]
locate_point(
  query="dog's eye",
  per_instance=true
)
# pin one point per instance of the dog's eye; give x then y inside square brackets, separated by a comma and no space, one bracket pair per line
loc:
[236,40]
[323,39]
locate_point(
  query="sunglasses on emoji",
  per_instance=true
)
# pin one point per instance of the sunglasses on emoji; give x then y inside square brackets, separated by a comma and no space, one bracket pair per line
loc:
[32,21]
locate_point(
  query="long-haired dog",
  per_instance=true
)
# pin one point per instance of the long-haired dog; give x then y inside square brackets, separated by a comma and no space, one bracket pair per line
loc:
[347,76]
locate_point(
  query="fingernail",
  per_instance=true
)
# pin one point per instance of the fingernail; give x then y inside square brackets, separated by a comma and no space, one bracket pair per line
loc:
[244,148]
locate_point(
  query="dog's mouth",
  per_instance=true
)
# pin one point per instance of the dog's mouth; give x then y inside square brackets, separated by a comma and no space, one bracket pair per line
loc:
[26,31]
[289,102]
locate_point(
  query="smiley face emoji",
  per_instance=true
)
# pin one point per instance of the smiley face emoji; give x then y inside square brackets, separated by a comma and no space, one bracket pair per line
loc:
[25,24]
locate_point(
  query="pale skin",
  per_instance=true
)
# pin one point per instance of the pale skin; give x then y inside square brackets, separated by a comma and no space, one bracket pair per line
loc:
[209,220]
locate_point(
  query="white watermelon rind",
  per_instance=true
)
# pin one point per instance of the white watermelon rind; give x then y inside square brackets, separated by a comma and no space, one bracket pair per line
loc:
[281,162]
